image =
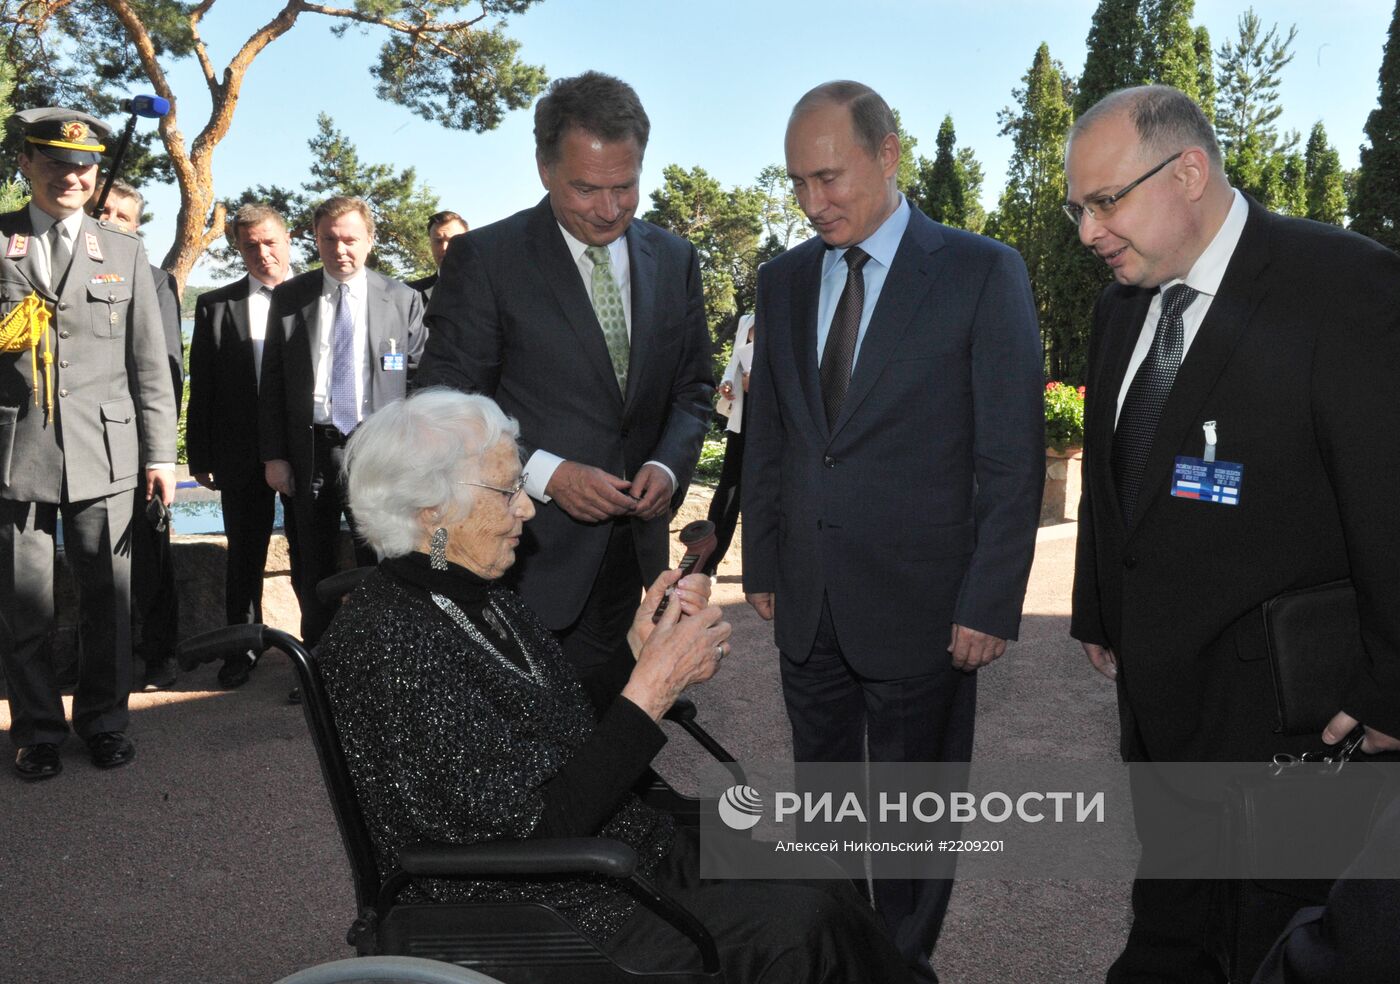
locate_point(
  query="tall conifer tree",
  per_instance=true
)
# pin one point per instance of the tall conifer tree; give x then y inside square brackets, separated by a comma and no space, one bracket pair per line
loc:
[1326,194]
[1029,215]
[1376,207]
[1112,60]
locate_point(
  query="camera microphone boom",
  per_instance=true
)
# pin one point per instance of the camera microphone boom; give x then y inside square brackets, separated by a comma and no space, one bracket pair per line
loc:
[151,107]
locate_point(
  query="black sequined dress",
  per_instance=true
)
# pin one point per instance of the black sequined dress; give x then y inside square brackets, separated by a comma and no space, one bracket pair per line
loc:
[445,742]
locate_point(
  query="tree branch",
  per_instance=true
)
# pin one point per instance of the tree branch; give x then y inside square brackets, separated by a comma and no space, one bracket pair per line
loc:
[428,32]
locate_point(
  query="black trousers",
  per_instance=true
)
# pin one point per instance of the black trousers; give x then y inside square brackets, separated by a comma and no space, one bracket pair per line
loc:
[1195,930]
[155,602]
[724,507]
[316,542]
[599,635]
[768,932]
[837,715]
[249,506]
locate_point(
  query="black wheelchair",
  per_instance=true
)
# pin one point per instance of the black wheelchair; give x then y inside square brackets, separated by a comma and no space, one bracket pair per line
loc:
[517,942]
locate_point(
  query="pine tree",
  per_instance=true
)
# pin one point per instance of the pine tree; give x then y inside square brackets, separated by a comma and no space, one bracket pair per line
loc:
[1248,78]
[1326,195]
[970,174]
[1029,217]
[908,174]
[1112,60]
[13,192]
[1169,49]
[940,191]
[1205,73]
[1376,206]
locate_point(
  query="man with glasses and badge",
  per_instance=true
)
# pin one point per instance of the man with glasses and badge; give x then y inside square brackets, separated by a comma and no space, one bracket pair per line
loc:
[1240,445]
[85,396]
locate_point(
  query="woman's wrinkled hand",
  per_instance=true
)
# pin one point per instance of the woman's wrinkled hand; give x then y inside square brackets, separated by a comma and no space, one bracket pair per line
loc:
[683,648]
[692,593]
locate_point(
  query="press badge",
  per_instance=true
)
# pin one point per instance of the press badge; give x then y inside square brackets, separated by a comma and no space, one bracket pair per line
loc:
[1205,478]
[393,360]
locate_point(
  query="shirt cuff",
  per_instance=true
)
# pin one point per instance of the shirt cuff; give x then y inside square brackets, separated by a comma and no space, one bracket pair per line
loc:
[153,465]
[669,474]
[538,471]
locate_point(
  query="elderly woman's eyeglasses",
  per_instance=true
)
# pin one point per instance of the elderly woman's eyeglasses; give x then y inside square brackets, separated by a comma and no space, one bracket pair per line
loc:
[516,488]
[1102,206]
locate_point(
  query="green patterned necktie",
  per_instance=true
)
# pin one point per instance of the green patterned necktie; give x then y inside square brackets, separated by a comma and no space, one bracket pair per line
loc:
[607,305]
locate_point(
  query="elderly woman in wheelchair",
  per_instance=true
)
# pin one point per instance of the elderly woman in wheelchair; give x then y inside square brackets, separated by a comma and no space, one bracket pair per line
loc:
[463,723]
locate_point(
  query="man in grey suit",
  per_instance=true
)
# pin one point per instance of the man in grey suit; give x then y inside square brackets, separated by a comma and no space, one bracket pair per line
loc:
[892,466]
[587,325]
[84,398]
[340,344]
[221,434]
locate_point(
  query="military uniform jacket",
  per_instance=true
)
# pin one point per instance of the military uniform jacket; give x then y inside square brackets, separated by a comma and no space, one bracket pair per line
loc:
[112,401]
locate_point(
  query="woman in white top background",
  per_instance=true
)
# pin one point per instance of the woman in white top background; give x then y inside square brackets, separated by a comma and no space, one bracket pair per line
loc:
[724,507]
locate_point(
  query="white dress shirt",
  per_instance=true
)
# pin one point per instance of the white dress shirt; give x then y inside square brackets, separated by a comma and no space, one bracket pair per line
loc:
[542,464]
[259,304]
[359,301]
[1204,277]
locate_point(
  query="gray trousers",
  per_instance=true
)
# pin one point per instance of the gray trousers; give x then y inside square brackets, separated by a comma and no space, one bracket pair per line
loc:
[96,542]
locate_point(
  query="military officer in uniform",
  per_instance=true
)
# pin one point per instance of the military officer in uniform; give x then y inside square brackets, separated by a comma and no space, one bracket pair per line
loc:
[84,397]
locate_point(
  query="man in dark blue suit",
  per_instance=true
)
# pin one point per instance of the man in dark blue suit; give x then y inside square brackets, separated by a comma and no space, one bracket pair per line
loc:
[893,467]
[587,325]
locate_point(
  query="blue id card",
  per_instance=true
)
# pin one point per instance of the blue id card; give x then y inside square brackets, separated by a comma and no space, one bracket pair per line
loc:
[1208,481]
[393,362]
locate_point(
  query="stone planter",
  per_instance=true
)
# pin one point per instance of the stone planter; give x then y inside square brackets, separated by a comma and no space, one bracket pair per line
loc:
[1062,476]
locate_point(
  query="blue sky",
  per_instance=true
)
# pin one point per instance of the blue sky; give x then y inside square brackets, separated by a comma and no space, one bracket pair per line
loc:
[718,79]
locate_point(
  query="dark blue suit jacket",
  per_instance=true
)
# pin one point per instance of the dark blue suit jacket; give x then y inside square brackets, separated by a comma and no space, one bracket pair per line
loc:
[511,318]
[919,507]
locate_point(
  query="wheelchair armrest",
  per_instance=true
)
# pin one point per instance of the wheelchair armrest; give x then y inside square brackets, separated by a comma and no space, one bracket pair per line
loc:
[559,856]
[218,643]
[569,855]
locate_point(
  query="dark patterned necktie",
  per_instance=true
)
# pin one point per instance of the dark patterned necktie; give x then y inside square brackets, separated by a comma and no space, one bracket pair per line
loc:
[840,351]
[1142,407]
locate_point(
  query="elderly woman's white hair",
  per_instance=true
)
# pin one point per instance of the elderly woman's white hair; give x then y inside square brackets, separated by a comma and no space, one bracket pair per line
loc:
[413,455]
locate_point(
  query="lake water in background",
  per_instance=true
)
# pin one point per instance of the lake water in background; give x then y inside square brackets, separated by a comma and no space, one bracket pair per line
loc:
[196,510]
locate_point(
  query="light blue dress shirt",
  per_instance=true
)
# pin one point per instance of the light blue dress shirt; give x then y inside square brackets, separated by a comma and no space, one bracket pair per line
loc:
[881,246]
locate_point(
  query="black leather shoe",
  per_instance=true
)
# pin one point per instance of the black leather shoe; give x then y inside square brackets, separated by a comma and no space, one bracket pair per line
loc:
[39,761]
[111,749]
[237,669]
[161,674]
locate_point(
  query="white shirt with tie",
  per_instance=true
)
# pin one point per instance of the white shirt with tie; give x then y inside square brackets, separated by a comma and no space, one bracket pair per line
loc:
[542,464]
[359,305]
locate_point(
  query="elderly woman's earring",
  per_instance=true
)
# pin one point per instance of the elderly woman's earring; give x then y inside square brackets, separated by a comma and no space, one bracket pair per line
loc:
[437,549]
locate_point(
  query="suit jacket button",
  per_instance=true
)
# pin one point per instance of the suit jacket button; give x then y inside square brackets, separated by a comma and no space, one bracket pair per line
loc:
[63,334]
[829,461]
[63,364]
[63,305]
[1129,562]
[62,392]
